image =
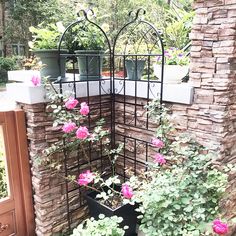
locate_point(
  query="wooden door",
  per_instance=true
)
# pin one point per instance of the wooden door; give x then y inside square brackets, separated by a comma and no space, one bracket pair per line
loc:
[16,205]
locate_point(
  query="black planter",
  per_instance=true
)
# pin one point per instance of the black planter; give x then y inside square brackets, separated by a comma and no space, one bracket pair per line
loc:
[127,212]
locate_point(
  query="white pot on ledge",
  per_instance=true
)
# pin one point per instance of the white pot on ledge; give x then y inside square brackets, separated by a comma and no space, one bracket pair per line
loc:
[23,76]
[173,74]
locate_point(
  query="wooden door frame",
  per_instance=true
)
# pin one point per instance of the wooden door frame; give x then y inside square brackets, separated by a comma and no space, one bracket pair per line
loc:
[19,168]
[24,165]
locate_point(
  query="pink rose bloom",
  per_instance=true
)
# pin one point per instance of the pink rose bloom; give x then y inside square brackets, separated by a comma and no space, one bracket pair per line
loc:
[36,80]
[220,227]
[127,191]
[85,178]
[158,158]
[82,132]
[157,143]
[69,127]
[84,110]
[71,103]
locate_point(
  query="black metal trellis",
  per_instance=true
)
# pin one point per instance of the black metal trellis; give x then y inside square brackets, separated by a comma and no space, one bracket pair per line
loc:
[113,94]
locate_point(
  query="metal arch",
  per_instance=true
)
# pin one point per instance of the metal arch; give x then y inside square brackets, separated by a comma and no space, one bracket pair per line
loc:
[83,17]
[157,32]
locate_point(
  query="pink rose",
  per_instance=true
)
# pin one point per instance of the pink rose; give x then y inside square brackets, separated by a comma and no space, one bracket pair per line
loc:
[157,143]
[71,103]
[84,110]
[220,227]
[82,132]
[36,80]
[69,127]
[85,178]
[158,158]
[127,191]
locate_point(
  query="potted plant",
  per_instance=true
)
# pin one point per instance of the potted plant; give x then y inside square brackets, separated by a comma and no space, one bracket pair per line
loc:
[31,67]
[107,194]
[44,46]
[134,68]
[135,64]
[104,226]
[88,43]
[176,66]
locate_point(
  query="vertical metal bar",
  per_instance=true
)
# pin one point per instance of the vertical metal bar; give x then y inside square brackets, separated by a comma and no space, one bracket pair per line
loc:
[74,84]
[100,106]
[88,101]
[124,162]
[148,92]
[135,96]
[113,97]
[146,155]
[67,187]
[124,96]
[135,156]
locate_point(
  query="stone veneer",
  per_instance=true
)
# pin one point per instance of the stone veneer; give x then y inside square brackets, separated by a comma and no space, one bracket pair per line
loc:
[211,117]
[49,189]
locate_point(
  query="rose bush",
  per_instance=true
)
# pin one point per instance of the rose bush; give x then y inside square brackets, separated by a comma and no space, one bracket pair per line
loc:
[71,115]
[180,193]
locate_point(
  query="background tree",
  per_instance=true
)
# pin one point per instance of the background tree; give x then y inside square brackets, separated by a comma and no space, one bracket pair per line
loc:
[173,18]
[26,13]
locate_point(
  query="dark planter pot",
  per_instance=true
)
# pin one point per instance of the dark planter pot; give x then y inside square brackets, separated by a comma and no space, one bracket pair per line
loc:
[50,58]
[134,69]
[127,212]
[90,64]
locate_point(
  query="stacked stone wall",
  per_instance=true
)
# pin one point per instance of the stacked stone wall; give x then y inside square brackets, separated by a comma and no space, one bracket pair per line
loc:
[49,188]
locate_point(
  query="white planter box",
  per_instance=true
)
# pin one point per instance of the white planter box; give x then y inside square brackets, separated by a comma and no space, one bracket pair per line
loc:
[21,92]
[173,74]
[24,76]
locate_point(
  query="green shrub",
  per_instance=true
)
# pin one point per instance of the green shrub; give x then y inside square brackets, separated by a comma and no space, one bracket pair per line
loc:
[7,64]
[3,183]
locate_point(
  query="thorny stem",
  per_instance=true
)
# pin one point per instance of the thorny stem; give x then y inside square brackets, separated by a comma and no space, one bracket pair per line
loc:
[52,87]
[85,154]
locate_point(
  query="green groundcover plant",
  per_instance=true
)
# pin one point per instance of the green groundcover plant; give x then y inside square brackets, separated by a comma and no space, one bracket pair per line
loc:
[104,226]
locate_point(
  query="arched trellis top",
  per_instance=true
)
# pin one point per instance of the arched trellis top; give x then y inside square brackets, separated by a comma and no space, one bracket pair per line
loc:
[139,42]
[138,39]
[149,30]
[83,16]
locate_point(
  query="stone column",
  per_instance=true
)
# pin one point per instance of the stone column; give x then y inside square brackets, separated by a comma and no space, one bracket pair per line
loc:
[212,117]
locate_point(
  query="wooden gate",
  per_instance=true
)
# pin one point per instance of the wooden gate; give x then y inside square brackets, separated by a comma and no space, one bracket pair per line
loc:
[16,208]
